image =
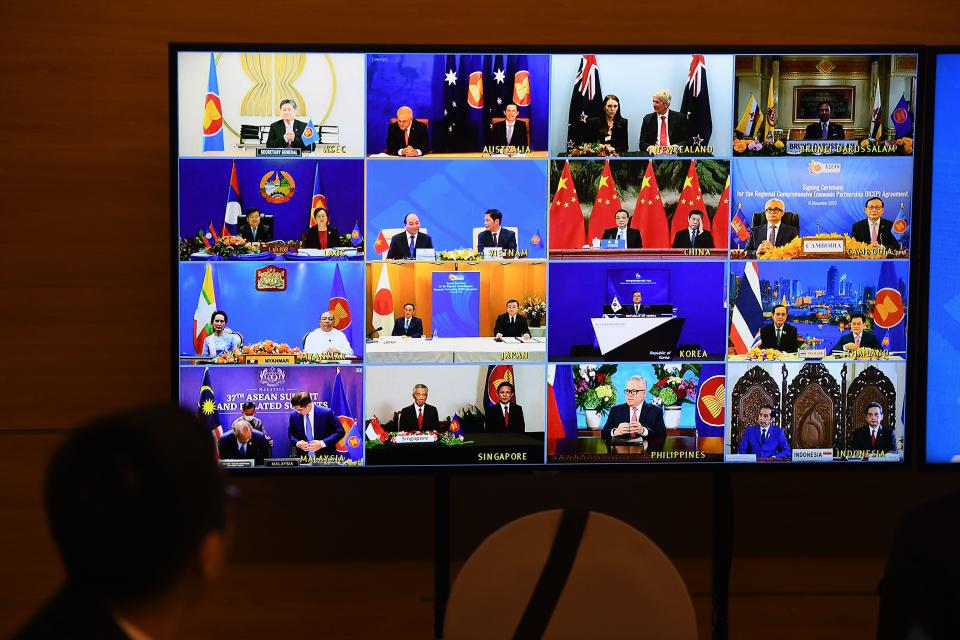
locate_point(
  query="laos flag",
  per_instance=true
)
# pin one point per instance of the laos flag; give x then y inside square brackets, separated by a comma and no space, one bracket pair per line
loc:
[212,112]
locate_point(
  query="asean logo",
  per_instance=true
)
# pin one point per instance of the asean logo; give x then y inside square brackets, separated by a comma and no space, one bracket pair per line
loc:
[277,187]
[521,88]
[711,401]
[900,225]
[814,167]
[475,90]
[535,240]
[272,377]
[308,132]
[355,234]
[888,309]
[900,115]
[454,427]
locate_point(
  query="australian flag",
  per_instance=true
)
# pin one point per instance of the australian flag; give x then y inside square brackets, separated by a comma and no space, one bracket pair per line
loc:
[586,100]
[351,444]
[453,121]
[499,91]
[696,102]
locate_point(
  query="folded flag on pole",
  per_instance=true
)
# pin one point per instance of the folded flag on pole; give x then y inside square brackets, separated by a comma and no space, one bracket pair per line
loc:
[310,134]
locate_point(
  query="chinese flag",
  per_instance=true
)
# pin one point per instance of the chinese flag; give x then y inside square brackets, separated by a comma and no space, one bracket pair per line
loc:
[721,219]
[605,206]
[691,199]
[566,218]
[649,216]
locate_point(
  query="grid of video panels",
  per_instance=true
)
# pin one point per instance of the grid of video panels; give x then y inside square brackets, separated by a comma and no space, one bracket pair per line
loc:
[492,259]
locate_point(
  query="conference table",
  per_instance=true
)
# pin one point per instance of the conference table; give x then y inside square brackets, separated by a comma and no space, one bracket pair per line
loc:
[454,350]
[672,448]
[478,448]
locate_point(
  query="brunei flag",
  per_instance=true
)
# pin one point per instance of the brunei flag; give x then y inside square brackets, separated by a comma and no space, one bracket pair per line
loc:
[749,123]
[351,444]
[212,112]
[207,409]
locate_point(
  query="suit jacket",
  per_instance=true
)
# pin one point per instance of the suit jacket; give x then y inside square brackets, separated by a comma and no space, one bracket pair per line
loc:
[629,310]
[867,339]
[785,233]
[886,439]
[516,330]
[595,130]
[257,448]
[650,417]
[498,135]
[861,231]
[493,419]
[506,239]
[264,233]
[408,419]
[325,427]
[776,445]
[419,138]
[415,330]
[676,129]
[634,241]
[815,131]
[682,240]
[311,238]
[278,129]
[72,615]
[788,338]
[400,249]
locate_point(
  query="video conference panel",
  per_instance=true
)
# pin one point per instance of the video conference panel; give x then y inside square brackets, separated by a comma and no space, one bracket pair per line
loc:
[483,258]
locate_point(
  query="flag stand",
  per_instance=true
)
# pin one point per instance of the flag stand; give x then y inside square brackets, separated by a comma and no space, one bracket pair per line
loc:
[441,549]
[722,552]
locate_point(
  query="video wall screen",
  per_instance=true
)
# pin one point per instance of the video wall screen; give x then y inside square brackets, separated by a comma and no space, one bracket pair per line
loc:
[484,258]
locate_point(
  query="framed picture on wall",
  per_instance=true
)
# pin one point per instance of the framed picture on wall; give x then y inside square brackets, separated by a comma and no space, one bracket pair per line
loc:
[841,98]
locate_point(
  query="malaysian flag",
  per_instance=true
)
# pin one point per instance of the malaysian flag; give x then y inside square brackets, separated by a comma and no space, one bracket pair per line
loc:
[747,316]
[207,409]
[586,101]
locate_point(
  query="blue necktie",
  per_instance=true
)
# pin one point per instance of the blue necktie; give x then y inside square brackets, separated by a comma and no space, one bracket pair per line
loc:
[825,128]
[308,423]
[413,246]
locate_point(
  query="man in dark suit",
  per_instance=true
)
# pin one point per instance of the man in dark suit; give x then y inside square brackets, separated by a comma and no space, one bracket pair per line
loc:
[693,237]
[287,131]
[407,136]
[510,132]
[404,245]
[635,418]
[636,306]
[772,233]
[824,129]
[506,416]
[494,235]
[255,230]
[779,335]
[858,337]
[874,230]
[873,436]
[313,430]
[764,439]
[409,325]
[622,232]
[243,443]
[419,416]
[511,324]
[663,127]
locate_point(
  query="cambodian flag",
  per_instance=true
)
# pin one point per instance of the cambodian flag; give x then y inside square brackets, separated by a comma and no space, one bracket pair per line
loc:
[351,444]
[231,215]
[740,226]
[212,112]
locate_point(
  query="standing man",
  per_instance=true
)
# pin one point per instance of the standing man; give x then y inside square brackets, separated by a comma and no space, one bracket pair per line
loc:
[312,428]
[511,324]
[874,229]
[824,129]
[635,418]
[779,335]
[409,325]
[419,416]
[404,245]
[407,136]
[772,233]
[631,237]
[765,439]
[506,416]
[494,235]
[510,132]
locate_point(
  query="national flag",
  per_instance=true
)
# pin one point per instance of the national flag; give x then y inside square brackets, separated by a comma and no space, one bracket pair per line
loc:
[339,306]
[721,219]
[876,127]
[696,102]
[740,225]
[889,310]
[747,316]
[356,237]
[374,431]
[207,410]
[231,214]
[520,73]
[649,216]
[206,305]
[474,73]
[212,233]
[900,225]
[450,134]
[691,199]
[537,240]
[381,244]
[561,404]
[710,408]
[310,134]
[566,217]
[902,121]
[605,206]
[496,375]
[383,303]
[205,237]
[497,90]
[770,117]
[614,301]
[586,100]
[749,122]
[351,444]
[455,429]
[212,111]
[318,199]
[471,68]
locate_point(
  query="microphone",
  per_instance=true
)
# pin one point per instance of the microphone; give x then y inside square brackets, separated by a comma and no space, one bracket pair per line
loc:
[370,334]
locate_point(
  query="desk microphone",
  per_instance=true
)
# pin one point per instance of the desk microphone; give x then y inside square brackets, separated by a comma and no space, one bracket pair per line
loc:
[370,334]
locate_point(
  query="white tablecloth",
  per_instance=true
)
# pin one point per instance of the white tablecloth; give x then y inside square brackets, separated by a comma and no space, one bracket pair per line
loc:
[448,350]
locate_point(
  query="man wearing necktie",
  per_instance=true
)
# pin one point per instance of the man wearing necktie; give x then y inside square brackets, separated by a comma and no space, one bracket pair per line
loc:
[874,229]
[694,236]
[635,418]
[255,230]
[774,232]
[631,237]
[764,439]
[243,443]
[664,127]
[858,337]
[778,334]
[312,428]
[409,325]
[287,132]
[636,306]
[419,416]
[494,234]
[404,245]
[873,436]
[505,416]
[511,324]
[510,134]
[824,128]
[407,136]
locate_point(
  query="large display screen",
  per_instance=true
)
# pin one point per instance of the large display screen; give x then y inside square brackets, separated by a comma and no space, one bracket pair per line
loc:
[480,258]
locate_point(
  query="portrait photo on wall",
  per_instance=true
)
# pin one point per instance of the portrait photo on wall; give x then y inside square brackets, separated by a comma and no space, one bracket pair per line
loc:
[456,210]
[826,104]
[474,414]
[636,311]
[235,313]
[279,416]
[836,208]
[279,104]
[627,105]
[816,412]
[792,311]
[633,412]
[621,209]
[456,312]
[463,105]
[271,209]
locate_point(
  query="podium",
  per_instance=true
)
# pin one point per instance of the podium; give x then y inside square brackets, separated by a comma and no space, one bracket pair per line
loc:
[638,338]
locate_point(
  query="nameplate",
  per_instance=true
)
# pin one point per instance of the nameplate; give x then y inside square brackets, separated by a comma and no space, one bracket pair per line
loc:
[281,462]
[740,457]
[283,152]
[492,252]
[236,464]
[810,354]
[264,358]
[426,254]
[613,243]
[824,246]
[822,147]
[415,437]
[812,455]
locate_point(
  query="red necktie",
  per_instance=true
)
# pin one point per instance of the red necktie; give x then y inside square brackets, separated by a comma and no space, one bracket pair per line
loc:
[663,131]
[420,417]
[506,416]
[856,340]
[873,437]
[634,419]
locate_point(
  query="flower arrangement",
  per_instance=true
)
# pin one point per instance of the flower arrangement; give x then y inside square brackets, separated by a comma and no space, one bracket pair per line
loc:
[672,389]
[460,255]
[765,354]
[592,150]
[266,347]
[594,388]
[853,247]
[229,246]
[190,246]
[534,308]
[750,147]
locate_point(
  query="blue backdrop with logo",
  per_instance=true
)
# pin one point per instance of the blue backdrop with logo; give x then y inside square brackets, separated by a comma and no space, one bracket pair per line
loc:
[456,303]
[653,284]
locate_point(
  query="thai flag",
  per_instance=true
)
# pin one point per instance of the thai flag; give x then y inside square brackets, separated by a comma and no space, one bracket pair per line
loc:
[231,215]
[747,311]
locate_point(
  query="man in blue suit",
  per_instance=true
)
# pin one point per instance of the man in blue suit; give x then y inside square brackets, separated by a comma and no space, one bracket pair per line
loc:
[409,325]
[312,428]
[765,439]
[858,337]
[634,418]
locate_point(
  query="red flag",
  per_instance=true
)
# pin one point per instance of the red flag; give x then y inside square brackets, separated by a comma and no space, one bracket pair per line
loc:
[381,244]
[555,429]
[649,216]
[606,205]
[691,199]
[318,199]
[740,225]
[721,219]
[566,218]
